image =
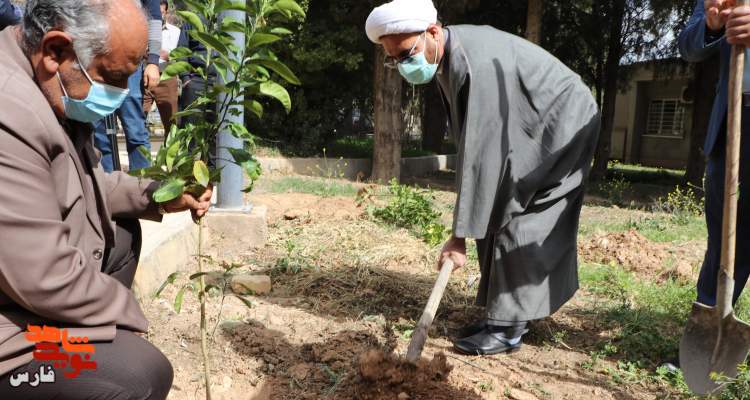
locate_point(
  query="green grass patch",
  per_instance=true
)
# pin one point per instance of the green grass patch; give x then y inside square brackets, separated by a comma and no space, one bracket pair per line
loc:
[647,317]
[318,187]
[646,320]
[668,228]
[362,147]
[661,228]
[641,174]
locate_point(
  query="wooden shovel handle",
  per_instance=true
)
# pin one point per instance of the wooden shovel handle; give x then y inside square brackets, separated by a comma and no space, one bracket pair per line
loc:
[725,289]
[419,337]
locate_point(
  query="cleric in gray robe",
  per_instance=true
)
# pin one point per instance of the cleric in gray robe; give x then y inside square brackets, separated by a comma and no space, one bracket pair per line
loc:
[526,127]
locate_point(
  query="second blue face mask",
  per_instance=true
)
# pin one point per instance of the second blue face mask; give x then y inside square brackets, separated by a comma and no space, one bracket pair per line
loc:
[416,69]
[102,100]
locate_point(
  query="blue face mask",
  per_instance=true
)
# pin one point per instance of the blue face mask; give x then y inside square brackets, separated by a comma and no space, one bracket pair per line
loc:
[102,100]
[416,69]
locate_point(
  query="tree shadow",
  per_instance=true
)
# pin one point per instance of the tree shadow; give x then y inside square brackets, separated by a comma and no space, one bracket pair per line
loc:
[329,369]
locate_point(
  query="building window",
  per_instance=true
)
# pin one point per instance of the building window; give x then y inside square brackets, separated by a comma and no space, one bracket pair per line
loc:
[666,118]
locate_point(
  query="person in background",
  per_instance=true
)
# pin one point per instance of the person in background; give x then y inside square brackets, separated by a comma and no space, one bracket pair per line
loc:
[165,93]
[193,85]
[715,26]
[131,112]
[9,14]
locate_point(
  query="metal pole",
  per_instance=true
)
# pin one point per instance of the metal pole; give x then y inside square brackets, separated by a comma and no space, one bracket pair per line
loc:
[110,125]
[229,190]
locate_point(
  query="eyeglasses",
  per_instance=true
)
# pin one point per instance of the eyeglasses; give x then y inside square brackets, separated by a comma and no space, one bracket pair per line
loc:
[393,62]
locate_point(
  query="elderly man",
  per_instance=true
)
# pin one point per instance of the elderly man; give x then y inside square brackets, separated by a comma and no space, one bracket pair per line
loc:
[715,26]
[64,262]
[525,126]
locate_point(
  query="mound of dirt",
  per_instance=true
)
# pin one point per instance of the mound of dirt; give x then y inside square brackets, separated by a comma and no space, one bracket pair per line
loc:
[305,207]
[629,249]
[636,254]
[388,376]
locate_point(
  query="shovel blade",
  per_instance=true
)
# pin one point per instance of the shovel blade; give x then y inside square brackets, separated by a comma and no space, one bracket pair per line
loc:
[702,339]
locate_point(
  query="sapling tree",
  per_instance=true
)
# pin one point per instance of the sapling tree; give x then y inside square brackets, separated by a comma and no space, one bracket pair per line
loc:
[244,75]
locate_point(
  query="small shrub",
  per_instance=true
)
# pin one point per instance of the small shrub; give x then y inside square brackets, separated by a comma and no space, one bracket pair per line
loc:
[615,189]
[682,204]
[736,388]
[293,262]
[411,209]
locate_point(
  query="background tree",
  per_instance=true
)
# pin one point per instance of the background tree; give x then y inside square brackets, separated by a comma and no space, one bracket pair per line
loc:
[388,100]
[534,21]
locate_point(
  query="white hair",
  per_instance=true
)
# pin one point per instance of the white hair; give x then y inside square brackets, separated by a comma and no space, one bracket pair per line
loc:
[87,21]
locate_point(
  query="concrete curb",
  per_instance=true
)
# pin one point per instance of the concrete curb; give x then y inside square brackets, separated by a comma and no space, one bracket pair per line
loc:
[171,246]
[167,247]
[354,168]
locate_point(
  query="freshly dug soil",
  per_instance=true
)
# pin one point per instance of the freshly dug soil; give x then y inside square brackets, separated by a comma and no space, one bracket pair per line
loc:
[637,254]
[389,376]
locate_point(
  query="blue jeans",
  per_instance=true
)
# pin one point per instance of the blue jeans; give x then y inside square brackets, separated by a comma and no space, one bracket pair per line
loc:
[133,122]
[714,186]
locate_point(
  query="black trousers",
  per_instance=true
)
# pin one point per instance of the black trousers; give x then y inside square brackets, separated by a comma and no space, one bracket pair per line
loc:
[128,368]
[714,186]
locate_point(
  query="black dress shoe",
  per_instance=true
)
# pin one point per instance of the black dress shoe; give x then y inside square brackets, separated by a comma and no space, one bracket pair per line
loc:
[473,329]
[491,340]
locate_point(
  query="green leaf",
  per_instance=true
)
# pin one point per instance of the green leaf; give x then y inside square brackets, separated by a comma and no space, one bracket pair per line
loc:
[291,6]
[176,68]
[255,68]
[170,280]
[240,155]
[187,113]
[281,31]
[200,172]
[178,300]
[198,275]
[229,24]
[172,152]
[216,175]
[180,52]
[255,107]
[193,20]
[278,92]
[239,130]
[260,39]
[223,5]
[221,67]
[196,5]
[210,41]
[169,190]
[247,302]
[145,152]
[280,69]
[208,288]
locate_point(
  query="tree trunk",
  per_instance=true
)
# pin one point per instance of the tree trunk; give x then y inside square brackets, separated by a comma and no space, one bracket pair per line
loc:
[387,107]
[611,70]
[534,21]
[434,120]
[703,93]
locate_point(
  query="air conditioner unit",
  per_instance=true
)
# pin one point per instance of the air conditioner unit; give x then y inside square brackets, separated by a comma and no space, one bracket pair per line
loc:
[686,95]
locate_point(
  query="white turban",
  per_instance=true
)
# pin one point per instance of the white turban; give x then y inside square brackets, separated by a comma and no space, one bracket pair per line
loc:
[400,16]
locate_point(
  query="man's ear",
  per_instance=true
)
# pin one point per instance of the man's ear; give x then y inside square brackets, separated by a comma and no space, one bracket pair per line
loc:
[56,49]
[434,30]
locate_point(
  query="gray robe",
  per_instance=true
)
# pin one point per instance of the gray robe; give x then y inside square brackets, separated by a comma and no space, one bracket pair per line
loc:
[526,127]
